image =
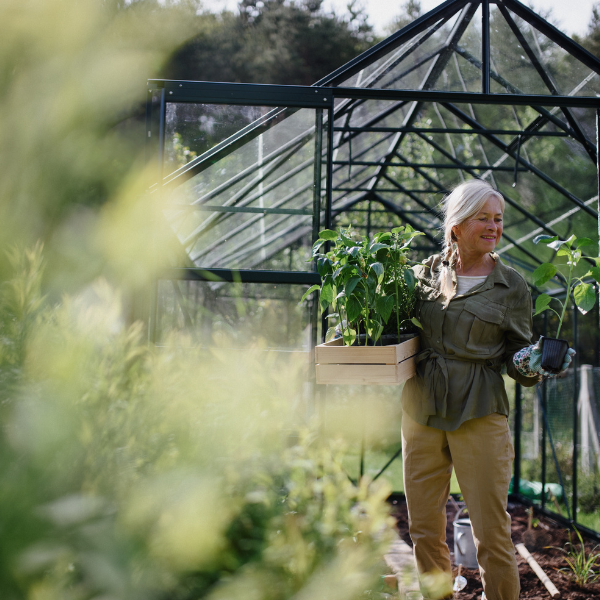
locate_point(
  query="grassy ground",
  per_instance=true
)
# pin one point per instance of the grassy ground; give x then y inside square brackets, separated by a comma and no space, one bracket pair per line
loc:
[375,460]
[589,520]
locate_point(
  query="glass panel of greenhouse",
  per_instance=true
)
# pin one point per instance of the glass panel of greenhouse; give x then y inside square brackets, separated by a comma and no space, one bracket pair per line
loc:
[245,206]
[240,314]
[471,89]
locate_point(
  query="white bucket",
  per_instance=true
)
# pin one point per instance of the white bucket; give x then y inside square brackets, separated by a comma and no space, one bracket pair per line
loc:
[465,553]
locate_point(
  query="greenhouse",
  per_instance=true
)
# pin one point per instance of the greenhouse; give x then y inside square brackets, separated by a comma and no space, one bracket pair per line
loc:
[247,175]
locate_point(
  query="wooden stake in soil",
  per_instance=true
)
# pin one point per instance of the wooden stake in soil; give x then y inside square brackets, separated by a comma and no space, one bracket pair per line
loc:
[455,594]
[534,539]
[538,570]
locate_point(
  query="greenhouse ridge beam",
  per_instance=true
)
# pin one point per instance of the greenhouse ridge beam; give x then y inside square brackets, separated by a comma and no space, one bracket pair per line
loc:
[258,94]
[389,163]
[468,97]
[425,130]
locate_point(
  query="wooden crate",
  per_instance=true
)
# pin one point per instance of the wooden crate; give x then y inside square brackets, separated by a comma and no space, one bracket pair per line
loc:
[367,365]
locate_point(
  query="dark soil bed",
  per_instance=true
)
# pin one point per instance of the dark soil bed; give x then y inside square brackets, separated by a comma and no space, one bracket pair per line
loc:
[550,559]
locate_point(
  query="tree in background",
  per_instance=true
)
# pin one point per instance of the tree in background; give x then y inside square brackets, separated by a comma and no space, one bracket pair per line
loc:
[411,11]
[591,41]
[272,41]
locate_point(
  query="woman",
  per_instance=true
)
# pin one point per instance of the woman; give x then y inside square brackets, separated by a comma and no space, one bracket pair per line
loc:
[476,315]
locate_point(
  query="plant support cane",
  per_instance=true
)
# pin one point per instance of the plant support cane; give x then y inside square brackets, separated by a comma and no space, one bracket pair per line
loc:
[538,570]
[584,294]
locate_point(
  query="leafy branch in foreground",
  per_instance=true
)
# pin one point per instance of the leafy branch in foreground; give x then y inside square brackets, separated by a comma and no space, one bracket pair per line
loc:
[583,293]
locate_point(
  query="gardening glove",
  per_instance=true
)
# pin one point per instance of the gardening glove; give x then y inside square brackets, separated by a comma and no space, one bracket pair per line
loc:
[528,361]
[568,359]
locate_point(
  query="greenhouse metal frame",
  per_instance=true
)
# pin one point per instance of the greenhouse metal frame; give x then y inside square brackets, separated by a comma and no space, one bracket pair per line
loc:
[484,89]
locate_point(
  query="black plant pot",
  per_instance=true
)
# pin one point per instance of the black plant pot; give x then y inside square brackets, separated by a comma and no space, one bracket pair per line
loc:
[553,354]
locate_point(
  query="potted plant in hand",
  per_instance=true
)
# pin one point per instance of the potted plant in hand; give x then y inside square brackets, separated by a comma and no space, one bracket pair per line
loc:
[584,294]
[369,287]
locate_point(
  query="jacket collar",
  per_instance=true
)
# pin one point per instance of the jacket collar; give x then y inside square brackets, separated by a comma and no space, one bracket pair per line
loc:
[500,274]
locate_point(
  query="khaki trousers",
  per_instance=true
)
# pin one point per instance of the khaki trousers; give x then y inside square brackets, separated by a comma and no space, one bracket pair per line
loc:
[481,452]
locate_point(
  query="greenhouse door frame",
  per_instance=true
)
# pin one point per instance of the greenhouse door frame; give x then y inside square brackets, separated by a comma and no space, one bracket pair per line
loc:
[278,97]
[323,98]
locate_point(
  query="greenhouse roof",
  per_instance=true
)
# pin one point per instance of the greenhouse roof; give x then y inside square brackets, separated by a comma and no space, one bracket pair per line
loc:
[484,89]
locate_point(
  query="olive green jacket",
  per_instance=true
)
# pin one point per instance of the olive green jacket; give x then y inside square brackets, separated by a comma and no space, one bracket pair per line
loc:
[464,345]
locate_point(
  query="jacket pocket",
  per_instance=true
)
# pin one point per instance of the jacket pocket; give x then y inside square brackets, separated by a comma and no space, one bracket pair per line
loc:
[486,333]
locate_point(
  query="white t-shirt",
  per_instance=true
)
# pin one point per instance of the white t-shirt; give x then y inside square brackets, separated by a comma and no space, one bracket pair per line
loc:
[466,282]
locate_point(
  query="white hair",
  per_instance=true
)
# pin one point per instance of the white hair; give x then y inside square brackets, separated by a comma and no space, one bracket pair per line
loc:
[462,203]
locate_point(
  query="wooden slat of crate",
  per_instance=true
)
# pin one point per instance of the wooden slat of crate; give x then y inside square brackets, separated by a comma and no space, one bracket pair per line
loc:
[335,353]
[365,374]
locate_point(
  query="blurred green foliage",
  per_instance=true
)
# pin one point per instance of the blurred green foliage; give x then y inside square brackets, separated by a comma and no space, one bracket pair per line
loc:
[135,472]
[129,471]
[72,75]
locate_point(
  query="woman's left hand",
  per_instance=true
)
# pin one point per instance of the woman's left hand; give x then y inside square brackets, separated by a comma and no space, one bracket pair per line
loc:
[535,361]
[528,362]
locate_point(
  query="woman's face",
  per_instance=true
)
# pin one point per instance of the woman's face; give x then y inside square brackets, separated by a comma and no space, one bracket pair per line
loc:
[481,233]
